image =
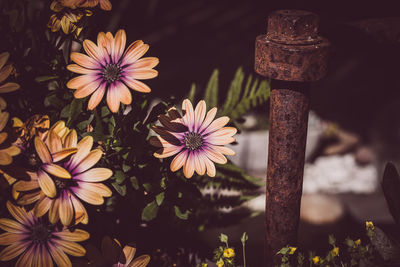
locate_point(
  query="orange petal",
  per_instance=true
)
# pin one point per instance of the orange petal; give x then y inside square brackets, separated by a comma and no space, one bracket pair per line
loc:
[85,61]
[89,161]
[97,96]
[188,114]
[46,184]
[77,235]
[79,69]
[9,87]
[66,212]
[119,45]
[87,89]
[71,248]
[125,95]
[59,256]
[208,119]
[178,161]
[13,251]
[94,175]
[199,114]
[141,74]
[113,98]
[136,85]
[188,167]
[216,125]
[3,59]
[42,206]
[82,80]
[57,171]
[42,150]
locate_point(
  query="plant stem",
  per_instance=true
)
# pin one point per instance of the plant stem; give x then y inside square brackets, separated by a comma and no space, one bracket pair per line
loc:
[244,255]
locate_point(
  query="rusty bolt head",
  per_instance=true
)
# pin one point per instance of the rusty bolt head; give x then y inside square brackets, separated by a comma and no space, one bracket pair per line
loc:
[292,50]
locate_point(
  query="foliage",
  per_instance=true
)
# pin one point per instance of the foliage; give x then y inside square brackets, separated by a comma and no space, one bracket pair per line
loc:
[147,196]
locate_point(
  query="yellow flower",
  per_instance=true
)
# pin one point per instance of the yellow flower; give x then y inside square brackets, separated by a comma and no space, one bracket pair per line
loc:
[69,20]
[104,4]
[292,250]
[5,71]
[220,263]
[335,251]
[229,253]
[369,225]
[316,260]
[357,242]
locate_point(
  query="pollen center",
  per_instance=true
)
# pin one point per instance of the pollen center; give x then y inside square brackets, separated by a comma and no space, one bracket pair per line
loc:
[193,141]
[112,72]
[60,184]
[40,233]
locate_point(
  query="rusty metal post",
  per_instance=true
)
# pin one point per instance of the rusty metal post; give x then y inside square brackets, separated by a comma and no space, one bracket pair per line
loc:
[293,54]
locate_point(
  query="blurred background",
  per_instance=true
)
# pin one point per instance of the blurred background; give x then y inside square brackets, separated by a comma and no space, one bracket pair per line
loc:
[354,125]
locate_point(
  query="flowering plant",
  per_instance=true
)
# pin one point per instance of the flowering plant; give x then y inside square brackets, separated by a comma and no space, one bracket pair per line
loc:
[85,144]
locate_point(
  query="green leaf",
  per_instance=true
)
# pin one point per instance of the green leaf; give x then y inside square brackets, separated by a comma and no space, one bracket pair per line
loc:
[387,248]
[125,167]
[160,198]
[283,251]
[180,215]
[147,187]
[134,182]
[150,211]
[192,93]
[332,240]
[119,176]
[211,92]
[121,189]
[75,110]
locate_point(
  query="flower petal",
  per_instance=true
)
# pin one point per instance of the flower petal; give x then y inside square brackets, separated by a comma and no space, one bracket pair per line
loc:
[167,152]
[215,156]
[113,98]
[9,87]
[88,196]
[10,238]
[179,160]
[54,211]
[98,188]
[119,45]
[94,52]
[97,96]
[135,51]
[209,165]
[125,95]
[89,161]
[54,142]
[42,206]
[11,226]
[84,146]
[105,5]
[129,253]
[59,256]
[57,171]
[145,63]
[13,251]
[141,261]
[3,59]
[66,211]
[81,70]
[81,215]
[88,89]
[216,125]
[42,150]
[82,80]
[5,72]
[188,168]
[46,184]
[26,185]
[76,235]
[71,140]
[224,150]
[221,140]
[140,74]
[188,114]
[70,248]
[18,213]
[199,114]
[94,175]
[85,61]
[199,165]
[136,85]
[208,119]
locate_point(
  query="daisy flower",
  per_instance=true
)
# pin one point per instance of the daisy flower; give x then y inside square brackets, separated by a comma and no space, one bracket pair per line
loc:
[112,254]
[5,71]
[196,138]
[112,69]
[58,185]
[36,242]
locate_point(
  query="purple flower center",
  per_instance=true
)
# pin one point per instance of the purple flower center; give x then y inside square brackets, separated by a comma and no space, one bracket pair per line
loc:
[60,184]
[112,73]
[40,233]
[193,141]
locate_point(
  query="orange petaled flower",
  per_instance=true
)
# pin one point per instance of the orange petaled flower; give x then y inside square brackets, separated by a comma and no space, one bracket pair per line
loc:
[60,183]
[109,68]
[37,242]
[112,254]
[69,20]
[196,137]
[5,71]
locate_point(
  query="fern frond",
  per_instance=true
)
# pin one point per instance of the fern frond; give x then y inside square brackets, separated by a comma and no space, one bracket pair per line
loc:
[211,92]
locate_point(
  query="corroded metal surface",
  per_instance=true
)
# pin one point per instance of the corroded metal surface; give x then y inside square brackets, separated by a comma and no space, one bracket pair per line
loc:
[286,154]
[292,53]
[292,50]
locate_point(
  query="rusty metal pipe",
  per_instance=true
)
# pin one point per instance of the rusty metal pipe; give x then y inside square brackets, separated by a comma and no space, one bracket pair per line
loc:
[293,54]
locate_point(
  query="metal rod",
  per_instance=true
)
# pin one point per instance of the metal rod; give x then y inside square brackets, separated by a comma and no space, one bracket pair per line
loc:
[293,55]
